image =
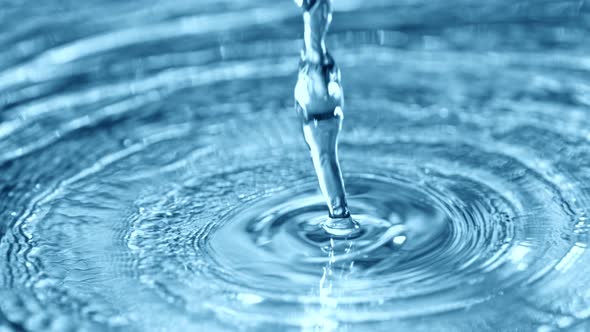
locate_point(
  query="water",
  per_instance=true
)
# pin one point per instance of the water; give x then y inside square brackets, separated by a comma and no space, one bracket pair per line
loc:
[318,103]
[154,176]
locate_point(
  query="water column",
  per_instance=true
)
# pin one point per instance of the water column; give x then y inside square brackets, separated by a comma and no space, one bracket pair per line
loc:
[319,105]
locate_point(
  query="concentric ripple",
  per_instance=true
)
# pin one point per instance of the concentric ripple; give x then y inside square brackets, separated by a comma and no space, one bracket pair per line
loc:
[153,176]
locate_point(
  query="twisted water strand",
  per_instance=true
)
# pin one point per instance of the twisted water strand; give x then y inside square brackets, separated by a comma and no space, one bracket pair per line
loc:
[319,102]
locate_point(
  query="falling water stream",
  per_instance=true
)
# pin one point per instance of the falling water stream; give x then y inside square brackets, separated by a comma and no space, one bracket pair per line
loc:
[319,102]
[154,177]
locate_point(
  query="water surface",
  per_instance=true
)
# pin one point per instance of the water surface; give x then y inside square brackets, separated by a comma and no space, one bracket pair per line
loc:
[153,175]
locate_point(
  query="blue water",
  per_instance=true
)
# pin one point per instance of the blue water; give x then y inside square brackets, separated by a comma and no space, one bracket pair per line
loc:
[153,174]
[319,103]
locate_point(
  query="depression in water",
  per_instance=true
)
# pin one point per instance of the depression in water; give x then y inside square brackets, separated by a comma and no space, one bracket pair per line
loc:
[154,177]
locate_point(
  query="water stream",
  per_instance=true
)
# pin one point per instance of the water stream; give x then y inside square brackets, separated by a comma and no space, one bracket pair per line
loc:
[153,174]
[319,105]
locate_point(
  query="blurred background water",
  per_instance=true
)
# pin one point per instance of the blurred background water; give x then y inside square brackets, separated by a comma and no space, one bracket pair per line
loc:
[153,176]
